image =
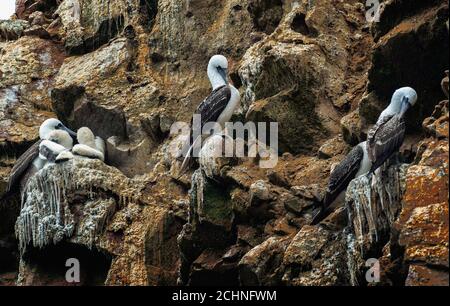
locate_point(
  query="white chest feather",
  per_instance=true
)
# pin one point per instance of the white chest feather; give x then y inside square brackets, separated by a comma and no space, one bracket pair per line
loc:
[232,106]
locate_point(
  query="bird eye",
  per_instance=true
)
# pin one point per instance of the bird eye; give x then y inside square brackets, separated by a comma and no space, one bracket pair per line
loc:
[59,126]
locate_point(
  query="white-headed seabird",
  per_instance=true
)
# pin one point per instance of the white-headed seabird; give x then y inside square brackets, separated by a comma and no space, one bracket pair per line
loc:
[388,134]
[219,106]
[55,138]
[383,140]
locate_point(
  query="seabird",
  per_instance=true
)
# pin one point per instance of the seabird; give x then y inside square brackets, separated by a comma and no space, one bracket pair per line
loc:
[89,145]
[218,107]
[56,148]
[383,140]
[354,165]
[55,138]
[388,134]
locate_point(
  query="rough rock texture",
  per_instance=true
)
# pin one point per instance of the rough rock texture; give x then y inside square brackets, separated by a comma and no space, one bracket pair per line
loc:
[85,203]
[27,69]
[397,56]
[305,71]
[423,222]
[12,29]
[128,69]
[316,257]
[261,265]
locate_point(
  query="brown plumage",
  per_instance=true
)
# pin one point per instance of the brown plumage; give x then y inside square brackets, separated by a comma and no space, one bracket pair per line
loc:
[210,109]
[21,166]
[340,177]
[384,139]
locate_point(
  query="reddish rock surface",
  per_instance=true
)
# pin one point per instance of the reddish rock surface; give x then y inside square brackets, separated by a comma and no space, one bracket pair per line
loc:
[424,221]
[423,276]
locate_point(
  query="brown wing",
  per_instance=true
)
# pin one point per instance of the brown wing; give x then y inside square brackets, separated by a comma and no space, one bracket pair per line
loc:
[21,165]
[385,139]
[343,174]
[372,134]
[211,108]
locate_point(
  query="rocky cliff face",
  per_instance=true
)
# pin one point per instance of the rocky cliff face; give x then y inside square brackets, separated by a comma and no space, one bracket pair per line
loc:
[129,69]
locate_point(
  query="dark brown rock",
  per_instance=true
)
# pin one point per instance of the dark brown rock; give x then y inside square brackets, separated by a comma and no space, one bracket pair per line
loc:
[249,235]
[261,265]
[333,147]
[395,59]
[419,275]
[295,204]
[38,31]
[210,268]
[289,110]
[315,257]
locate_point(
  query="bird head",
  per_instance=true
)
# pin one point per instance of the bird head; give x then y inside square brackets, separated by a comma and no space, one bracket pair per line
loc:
[219,64]
[51,125]
[403,99]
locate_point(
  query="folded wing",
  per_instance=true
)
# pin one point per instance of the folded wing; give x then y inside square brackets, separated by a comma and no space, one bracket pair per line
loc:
[384,139]
[22,165]
[211,108]
[340,177]
[343,174]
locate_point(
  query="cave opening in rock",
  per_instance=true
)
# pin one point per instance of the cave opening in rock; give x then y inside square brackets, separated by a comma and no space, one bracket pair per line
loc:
[148,10]
[299,25]
[266,14]
[48,266]
[236,79]
[9,252]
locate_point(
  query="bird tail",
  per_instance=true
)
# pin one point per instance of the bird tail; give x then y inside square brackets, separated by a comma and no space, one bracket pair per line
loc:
[323,211]
[319,216]
[187,162]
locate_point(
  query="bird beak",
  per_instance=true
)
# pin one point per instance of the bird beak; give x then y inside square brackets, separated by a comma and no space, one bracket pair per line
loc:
[71,133]
[224,74]
[405,106]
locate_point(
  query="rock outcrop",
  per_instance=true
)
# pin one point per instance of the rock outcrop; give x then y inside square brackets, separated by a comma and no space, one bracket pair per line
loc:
[423,221]
[90,207]
[397,57]
[130,69]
